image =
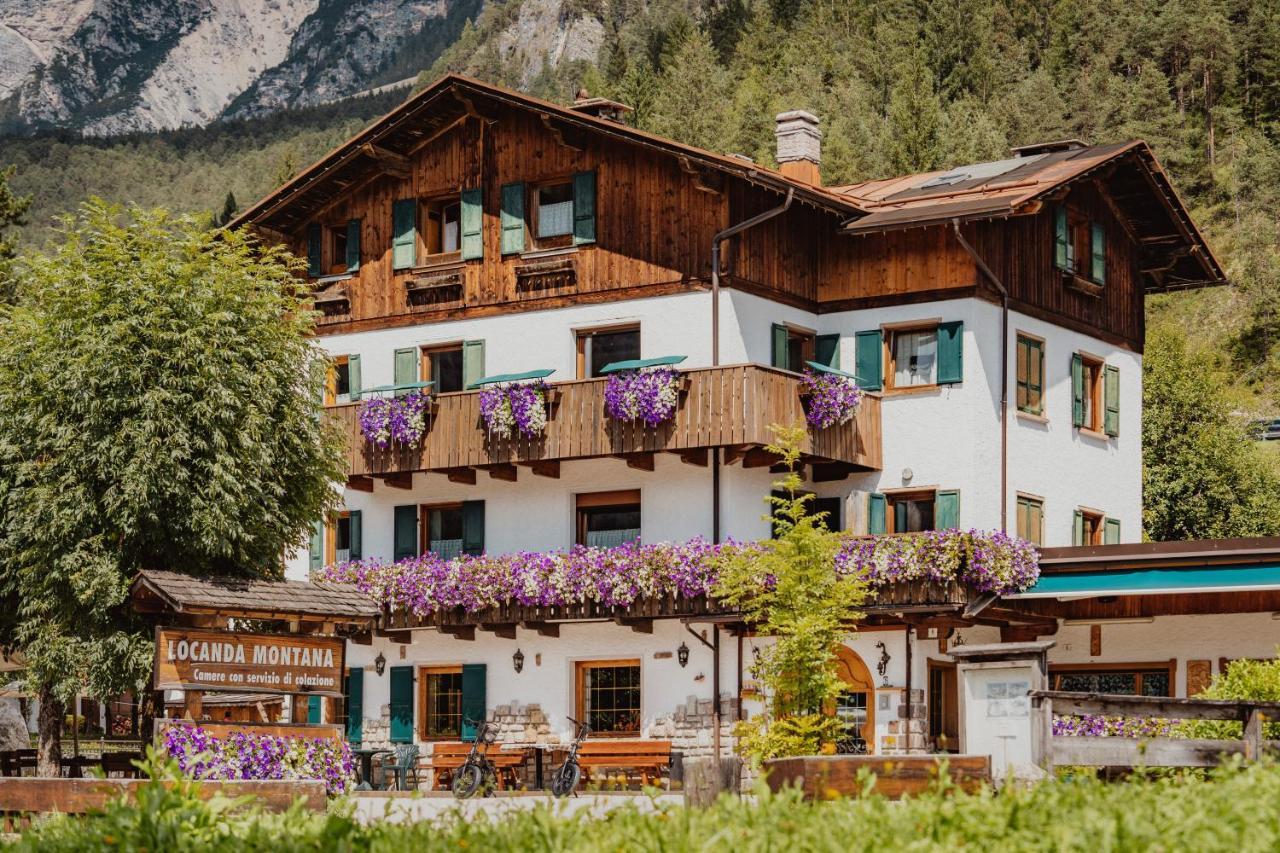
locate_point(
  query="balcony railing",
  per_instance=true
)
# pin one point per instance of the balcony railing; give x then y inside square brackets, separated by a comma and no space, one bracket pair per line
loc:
[728,407]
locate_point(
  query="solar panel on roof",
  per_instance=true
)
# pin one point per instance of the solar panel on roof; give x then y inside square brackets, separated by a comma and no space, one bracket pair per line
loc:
[979,171]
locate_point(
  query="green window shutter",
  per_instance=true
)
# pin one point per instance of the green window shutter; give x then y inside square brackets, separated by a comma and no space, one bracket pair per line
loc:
[950,353]
[946,509]
[401,704]
[778,354]
[355,704]
[826,350]
[512,219]
[472,363]
[1111,399]
[406,369]
[353,245]
[474,702]
[356,518]
[404,231]
[868,354]
[1098,253]
[353,376]
[1111,531]
[1060,237]
[1077,529]
[899,518]
[584,208]
[473,527]
[315,710]
[405,540]
[877,504]
[315,552]
[1077,390]
[315,260]
[472,225]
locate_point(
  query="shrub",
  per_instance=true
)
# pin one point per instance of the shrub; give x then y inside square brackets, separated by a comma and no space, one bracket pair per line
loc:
[1244,679]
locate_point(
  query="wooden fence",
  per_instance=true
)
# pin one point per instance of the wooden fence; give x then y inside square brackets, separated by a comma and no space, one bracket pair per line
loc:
[1116,751]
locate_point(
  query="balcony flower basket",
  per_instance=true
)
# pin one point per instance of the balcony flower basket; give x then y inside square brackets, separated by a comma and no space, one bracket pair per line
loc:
[649,395]
[830,399]
[396,420]
[245,755]
[515,407]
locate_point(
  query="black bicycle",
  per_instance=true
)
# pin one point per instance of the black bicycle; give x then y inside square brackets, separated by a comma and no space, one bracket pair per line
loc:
[567,775]
[477,772]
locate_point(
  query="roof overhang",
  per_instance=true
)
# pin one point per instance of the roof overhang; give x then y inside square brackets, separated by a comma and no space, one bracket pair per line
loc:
[1172,581]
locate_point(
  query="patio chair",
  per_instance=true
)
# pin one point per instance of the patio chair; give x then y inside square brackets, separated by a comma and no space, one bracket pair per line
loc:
[406,763]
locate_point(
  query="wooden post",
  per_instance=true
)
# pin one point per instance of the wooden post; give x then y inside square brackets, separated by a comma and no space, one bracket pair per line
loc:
[706,778]
[1043,743]
[1253,734]
[194,700]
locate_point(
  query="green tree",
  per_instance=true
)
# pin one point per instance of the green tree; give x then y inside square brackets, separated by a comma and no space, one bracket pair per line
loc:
[158,410]
[690,103]
[13,212]
[915,115]
[229,209]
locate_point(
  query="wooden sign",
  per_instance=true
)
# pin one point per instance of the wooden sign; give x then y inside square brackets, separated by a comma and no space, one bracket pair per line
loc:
[201,659]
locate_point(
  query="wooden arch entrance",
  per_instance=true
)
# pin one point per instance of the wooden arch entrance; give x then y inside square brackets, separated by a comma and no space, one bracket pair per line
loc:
[857,705]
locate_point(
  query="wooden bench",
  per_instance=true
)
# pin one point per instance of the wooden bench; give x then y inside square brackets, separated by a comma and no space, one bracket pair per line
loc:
[447,756]
[647,757]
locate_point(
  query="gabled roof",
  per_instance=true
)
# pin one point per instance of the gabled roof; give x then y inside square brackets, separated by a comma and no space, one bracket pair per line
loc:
[178,593]
[401,131]
[1134,180]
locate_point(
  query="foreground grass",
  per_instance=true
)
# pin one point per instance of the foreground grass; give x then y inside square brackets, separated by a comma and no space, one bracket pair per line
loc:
[1233,809]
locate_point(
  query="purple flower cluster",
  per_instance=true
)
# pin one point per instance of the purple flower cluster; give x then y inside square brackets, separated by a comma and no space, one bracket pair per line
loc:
[515,406]
[832,399]
[647,395]
[399,419]
[986,561]
[1096,725]
[243,755]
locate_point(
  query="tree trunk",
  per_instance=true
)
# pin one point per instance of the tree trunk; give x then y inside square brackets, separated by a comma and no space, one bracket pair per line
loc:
[49,755]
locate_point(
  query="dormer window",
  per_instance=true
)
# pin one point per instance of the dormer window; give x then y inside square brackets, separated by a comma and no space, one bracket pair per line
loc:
[1080,248]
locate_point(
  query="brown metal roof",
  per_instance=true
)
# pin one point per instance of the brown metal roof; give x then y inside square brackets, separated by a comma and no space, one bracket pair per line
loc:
[180,593]
[1151,555]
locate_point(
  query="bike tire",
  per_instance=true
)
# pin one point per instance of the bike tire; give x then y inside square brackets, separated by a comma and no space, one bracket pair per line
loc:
[566,779]
[466,781]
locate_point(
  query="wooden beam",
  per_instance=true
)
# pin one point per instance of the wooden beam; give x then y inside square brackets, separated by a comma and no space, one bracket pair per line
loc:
[469,105]
[465,476]
[639,461]
[504,471]
[697,456]
[640,626]
[758,457]
[544,629]
[546,468]
[460,632]
[364,638]
[360,484]
[404,638]
[505,630]
[705,180]
[393,164]
[734,452]
[568,137]
[402,480]
[826,472]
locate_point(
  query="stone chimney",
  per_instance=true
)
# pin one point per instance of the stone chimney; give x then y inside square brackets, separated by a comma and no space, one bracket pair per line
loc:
[600,107]
[799,146]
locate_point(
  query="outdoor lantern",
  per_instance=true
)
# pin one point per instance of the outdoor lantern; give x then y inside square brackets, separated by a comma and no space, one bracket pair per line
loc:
[379,663]
[517,660]
[682,654]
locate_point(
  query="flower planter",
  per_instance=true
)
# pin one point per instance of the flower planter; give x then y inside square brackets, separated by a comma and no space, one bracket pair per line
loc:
[826,777]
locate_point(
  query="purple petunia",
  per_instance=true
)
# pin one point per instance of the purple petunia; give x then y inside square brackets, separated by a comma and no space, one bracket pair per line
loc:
[1096,725]
[832,399]
[646,395]
[242,755]
[513,407]
[399,419]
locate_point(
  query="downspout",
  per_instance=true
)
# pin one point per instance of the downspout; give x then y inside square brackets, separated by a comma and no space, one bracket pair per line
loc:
[1004,371]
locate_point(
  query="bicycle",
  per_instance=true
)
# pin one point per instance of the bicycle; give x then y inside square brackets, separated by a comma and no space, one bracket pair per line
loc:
[566,778]
[477,771]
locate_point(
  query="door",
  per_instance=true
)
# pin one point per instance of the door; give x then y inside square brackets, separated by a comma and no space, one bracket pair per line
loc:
[944,704]
[856,705]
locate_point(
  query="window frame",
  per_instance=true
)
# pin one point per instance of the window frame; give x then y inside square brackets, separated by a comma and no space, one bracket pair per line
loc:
[1099,531]
[424,522]
[1092,378]
[1169,668]
[334,249]
[331,534]
[424,703]
[425,371]
[1031,343]
[331,394]
[583,336]
[558,241]
[1024,499]
[889,335]
[614,499]
[426,207]
[579,695]
[896,496]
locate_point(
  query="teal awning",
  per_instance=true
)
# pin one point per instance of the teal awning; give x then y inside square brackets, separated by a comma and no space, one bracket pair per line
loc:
[834,371]
[404,386]
[641,363]
[513,377]
[1156,581]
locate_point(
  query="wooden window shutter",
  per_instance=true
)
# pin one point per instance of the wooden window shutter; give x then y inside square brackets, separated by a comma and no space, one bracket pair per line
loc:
[472,225]
[405,538]
[1060,237]
[473,527]
[826,350]
[1111,531]
[778,353]
[472,363]
[401,703]
[1077,390]
[406,369]
[868,353]
[1077,529]
[877,504]
[315,260]
[404,234]
[355,704]
[353,245]
[950,352]
[315,551]
[1098,253]
[946,509]
[513,218]
[356,521]
[1111,400]
[315,710]
[584,208]
[353,376]
[474,702]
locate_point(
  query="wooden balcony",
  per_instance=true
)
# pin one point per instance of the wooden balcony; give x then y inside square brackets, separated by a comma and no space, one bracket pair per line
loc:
[727,407]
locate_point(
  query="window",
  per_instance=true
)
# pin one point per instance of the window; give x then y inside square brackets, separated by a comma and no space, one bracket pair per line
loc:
[442,226]
[338,538]
[1080,248]
[608,696]
[1130,679]
[913,358]
[337,249]
[1088,527]
[441,702]
[599,348]
[1031,519]
[442,533]
[1090,397]
[338,385]
[1095,393]
[608,519]
[1030,375]
[443,365]
[912,511]
[792,347]
[553,214]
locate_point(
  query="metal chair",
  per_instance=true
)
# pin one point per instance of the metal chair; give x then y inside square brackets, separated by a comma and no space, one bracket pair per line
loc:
[406,763]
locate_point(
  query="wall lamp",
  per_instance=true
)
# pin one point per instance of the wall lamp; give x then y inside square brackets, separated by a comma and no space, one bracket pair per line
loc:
[682,655]
[517,660]
[380,663]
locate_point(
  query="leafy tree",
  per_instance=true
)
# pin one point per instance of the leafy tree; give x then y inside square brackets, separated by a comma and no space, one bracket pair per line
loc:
[157,411]
[13,210]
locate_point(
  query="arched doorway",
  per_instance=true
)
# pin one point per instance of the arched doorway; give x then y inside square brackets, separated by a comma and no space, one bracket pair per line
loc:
[856,706]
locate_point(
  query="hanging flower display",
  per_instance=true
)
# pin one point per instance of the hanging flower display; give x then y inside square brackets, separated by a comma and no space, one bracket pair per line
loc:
[833,399]
[646,395]
[399,419]
[1096,725]
[242,755]
[983,560]
[375,421]
[515,407]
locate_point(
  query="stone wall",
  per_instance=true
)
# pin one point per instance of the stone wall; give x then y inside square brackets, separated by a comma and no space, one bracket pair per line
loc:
[690,727]
[907,733]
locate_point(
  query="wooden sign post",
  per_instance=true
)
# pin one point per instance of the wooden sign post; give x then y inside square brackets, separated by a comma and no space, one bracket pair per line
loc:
[198,659]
